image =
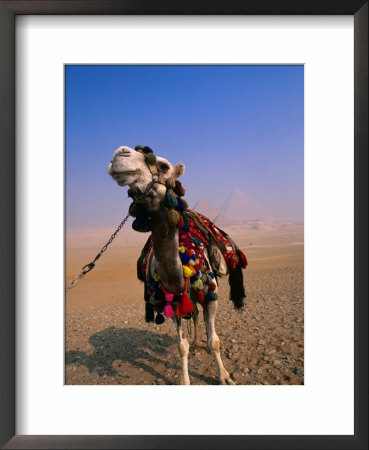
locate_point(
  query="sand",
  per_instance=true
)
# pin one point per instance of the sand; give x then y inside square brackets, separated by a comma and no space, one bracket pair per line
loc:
[108,341]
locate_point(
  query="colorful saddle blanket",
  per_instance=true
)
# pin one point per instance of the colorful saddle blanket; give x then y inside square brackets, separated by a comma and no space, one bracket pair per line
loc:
[219,240]
[200,244]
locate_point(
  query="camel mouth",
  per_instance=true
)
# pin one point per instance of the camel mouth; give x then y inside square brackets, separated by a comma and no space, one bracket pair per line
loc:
[123,177]
[123,172]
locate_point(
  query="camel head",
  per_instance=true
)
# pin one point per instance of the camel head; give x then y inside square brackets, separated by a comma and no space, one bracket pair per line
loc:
[135,168]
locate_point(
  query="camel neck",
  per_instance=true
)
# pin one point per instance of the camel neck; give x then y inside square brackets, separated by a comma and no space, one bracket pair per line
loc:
[165,246]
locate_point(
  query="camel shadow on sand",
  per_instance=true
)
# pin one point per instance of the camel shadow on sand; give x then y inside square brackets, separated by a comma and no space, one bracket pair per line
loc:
[141,349]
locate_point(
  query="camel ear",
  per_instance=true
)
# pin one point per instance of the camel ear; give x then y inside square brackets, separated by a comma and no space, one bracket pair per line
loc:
[179,170]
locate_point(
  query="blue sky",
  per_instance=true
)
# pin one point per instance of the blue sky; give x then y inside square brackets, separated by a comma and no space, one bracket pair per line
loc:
[232,126]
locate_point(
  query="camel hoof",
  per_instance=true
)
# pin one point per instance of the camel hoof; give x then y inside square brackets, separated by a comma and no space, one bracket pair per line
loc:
[227,380]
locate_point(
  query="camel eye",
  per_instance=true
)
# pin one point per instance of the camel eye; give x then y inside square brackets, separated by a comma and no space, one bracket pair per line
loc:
[163,167]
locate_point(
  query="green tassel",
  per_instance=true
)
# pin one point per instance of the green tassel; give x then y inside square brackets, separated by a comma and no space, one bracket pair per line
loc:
[172,217]
[185,220]
[170,200]
[150,158]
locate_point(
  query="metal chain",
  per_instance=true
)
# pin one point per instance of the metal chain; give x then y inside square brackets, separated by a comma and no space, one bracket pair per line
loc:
[91,265]
[85,269]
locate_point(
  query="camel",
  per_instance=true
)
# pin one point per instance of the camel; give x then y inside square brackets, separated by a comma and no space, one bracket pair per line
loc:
[179,281]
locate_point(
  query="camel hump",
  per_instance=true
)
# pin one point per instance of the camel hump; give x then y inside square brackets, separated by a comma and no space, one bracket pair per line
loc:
[224,255]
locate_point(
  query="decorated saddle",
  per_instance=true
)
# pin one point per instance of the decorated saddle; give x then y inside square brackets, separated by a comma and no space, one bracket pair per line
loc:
[206,252]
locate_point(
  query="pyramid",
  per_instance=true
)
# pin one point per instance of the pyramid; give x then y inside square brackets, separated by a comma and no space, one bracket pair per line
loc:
[239,206]
[221,221]
[206,208]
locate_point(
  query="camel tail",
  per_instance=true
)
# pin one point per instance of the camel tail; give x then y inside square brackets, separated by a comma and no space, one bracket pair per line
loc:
[237,294]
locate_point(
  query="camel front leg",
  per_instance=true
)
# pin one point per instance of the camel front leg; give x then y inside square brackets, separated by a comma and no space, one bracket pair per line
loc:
[183,347]
[210,310]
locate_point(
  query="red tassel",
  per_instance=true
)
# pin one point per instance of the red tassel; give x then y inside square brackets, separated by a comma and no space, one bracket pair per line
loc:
[243,258]
[200,296]
[233,261]
[179,190]
[212,286]
[185,306]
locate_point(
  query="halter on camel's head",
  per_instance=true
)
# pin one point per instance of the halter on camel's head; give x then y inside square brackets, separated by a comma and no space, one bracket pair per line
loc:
[152,182]
[156,174]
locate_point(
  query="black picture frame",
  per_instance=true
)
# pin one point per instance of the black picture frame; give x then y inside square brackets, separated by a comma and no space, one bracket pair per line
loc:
[8,12]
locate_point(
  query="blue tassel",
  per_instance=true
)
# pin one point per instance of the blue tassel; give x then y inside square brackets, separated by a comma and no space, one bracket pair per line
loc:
[181,206]
[184,257]
[211,296]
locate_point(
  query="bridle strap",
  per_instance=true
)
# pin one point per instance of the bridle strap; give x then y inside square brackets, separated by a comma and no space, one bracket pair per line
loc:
[155,178]
[153,169]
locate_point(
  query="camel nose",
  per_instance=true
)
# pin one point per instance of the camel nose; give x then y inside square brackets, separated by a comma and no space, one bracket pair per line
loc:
[122,151]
